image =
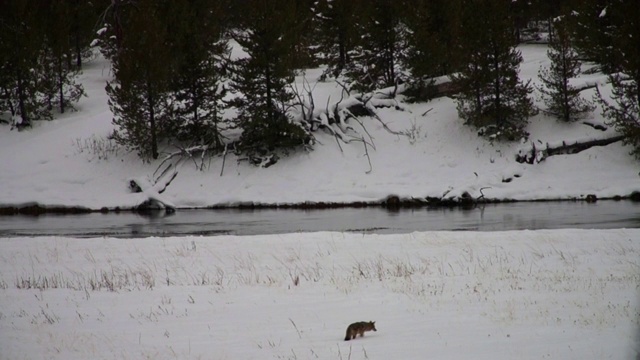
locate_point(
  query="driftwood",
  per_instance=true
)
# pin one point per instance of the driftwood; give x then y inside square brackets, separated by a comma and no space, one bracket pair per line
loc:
[596,126]
[152,192]
[538,155]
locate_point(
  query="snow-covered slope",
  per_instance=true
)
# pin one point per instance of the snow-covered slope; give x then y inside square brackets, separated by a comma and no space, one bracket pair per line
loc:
[53,164]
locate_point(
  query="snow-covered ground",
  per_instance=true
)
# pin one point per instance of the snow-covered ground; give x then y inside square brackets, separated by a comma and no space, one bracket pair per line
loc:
[554,294]
[69,162]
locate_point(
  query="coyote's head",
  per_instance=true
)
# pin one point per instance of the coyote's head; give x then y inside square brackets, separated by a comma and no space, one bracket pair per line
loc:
[371,325]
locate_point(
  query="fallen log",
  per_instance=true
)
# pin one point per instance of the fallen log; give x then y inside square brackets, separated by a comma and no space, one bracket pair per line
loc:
[536,155]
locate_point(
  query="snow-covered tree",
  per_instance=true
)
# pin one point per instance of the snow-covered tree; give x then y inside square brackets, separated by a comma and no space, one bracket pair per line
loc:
[493,98]
[432,37]
[82,17]
[433,27]
[200,52]
[623,111]
[547,11]
[337,31]
[139,96]
[262,79]
[60,72]
[379,56]
[561,98]
[592,31]
[36,74]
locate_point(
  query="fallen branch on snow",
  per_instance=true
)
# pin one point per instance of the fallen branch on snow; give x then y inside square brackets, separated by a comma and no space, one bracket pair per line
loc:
[536,155]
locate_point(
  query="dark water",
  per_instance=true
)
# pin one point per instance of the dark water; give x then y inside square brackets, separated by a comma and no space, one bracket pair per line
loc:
[515,216]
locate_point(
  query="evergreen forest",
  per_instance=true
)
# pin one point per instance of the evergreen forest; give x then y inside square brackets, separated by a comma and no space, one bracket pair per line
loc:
[175,82]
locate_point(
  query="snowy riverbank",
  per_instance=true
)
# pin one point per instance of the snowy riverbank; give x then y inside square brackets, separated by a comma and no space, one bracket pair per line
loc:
[69,162]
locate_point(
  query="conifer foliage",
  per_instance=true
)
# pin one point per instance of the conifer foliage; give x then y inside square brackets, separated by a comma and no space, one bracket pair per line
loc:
[263,78]
[561,98]
[61,89]
[624,110]
[432,39]
[380,51]
[593,31]
[337,32]
[493,99]
[166,58]
[37,74]
[21,44]
[139,95]
[175,83]
[432,31]
[200,52]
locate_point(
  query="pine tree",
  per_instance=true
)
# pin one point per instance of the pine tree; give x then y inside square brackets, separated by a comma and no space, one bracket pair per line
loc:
[547,11]
[380,54]
[493,99]
[199,50]
[117,14]
[7,109]
[624,112]
[139,97]
[21,44]
[82,17]
[59,73]
[562,99]
[592,31]
[263,78]
[38,72]
[433,27]
[520,13]
[303,35]
[337,31]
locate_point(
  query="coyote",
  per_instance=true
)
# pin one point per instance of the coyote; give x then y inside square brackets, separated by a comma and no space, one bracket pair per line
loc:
[359,328]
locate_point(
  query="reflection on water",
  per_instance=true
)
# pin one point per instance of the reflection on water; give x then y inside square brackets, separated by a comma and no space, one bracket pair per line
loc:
[493,217]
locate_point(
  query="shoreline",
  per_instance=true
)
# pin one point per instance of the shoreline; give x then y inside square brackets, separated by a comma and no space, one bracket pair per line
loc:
[391,202]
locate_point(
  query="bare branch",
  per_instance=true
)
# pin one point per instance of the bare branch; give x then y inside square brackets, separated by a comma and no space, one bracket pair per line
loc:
[481,193]
[366,153]
[344,88]
[365,130]
[375,115]
[167,183]
[224,159]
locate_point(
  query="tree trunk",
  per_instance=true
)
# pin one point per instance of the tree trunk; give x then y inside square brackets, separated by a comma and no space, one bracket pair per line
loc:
[532,156]
[565,86]
[391,58]
[497,90]
[638,88]
[76,33]
[152,120]
[78,51]
[196,100]
[21,102]
[342,48]
[60,84]
[267,78]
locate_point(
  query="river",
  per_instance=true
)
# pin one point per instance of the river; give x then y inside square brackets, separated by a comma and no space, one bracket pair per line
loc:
[491,217]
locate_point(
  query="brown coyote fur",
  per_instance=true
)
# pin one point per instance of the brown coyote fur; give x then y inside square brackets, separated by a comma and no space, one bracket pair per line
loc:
[359,328]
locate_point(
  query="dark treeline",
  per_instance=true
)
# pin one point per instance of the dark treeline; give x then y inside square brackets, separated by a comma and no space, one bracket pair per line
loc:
[176,83]
[42,46]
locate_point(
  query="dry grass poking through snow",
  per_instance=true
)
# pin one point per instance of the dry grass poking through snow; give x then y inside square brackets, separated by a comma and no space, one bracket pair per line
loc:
[543,294]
